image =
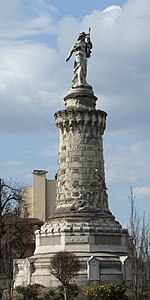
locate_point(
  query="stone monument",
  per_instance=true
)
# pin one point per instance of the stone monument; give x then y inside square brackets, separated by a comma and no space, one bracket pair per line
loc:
[82,222]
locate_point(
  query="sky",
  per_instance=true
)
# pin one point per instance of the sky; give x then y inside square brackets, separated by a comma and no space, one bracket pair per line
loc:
[35,38]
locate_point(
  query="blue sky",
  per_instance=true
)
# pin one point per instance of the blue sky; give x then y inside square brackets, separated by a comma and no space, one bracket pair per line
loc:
[35,37]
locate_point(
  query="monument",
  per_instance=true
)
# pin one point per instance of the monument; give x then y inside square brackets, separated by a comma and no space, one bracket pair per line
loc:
[82,222]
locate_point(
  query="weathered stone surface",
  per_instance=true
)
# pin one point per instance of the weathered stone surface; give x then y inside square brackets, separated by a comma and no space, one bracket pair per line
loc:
[102,239]
[81,155]
[93,269]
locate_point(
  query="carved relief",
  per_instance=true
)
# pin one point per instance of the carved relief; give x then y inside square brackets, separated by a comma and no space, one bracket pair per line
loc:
[81,182]
[94,197]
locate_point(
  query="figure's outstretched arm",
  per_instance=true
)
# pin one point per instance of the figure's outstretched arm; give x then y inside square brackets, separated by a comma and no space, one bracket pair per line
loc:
[73,49]
[69,55]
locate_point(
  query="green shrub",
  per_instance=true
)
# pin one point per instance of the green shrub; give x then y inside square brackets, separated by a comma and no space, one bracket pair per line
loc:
[30,292]
[37,291]
[106,292]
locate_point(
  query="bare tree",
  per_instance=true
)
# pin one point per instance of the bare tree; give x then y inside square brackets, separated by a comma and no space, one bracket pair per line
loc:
[64,266]
[11,201]
[138,245]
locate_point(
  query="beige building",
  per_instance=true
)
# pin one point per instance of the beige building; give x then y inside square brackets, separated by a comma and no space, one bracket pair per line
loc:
[40,197]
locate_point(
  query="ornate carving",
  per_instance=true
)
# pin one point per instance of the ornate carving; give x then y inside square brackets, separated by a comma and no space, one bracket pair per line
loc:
[95,197]
[73,119]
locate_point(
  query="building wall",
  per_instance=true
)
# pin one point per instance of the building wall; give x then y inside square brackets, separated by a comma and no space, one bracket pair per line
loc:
[39,194]
[28,198]
[41,197]
[50,197]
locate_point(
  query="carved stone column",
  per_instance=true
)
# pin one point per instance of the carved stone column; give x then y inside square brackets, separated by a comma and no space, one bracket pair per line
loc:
[81,178]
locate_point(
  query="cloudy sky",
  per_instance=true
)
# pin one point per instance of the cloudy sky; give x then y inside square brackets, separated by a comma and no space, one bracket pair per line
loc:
[35,38]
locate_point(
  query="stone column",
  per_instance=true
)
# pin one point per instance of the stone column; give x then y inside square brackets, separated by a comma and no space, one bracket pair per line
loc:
[81,179]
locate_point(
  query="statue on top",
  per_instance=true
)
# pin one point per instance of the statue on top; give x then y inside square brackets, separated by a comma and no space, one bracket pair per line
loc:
[82,47]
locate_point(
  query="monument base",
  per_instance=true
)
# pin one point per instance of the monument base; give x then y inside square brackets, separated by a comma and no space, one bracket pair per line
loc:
[97,244]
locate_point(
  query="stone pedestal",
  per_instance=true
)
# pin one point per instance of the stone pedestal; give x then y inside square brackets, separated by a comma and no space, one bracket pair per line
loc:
[82,222]
[103,240]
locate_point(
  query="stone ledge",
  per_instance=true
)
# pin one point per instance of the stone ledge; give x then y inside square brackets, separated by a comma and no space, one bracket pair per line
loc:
[80,92]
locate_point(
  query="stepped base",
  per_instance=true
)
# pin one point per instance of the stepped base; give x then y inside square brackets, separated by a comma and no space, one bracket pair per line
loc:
[102,241]
[36,270]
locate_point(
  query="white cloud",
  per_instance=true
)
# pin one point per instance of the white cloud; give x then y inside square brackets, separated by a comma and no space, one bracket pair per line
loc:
[111,8]
[42,6]
[28,85]
[24,19]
